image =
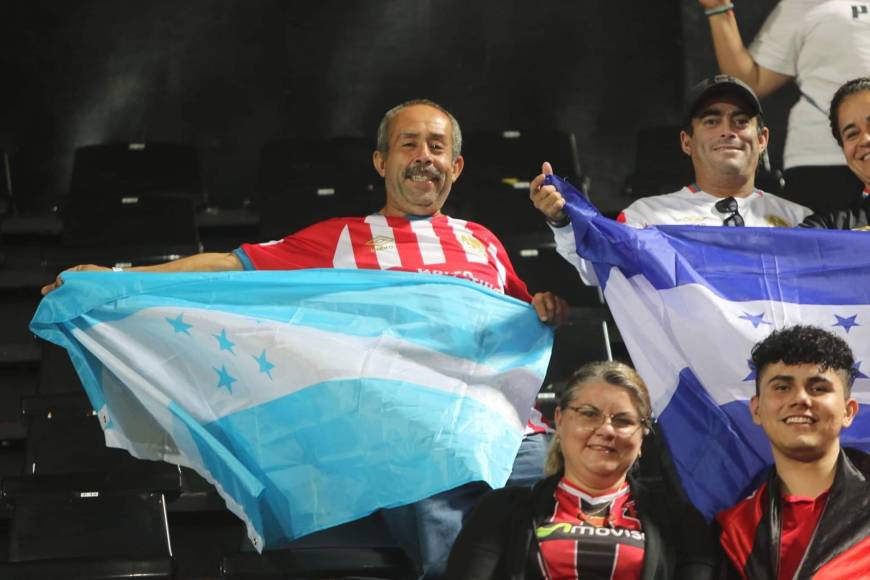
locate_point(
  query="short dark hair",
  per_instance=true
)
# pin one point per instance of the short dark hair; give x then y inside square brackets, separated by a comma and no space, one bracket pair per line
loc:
[850,88]
[383,144]
[804,344]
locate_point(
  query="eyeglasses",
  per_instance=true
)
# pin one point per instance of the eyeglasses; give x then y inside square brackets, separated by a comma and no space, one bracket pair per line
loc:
[590,419]
[729,206]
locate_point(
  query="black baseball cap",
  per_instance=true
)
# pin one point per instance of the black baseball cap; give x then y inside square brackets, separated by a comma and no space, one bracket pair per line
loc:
[721,85]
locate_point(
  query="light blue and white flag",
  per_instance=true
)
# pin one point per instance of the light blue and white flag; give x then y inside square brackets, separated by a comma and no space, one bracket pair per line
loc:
[691,302]
[308,398]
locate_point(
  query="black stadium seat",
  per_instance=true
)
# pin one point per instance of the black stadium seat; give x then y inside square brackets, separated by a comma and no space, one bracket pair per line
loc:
[66,450]
[494,186]
[19,297]
[126,229]
[81,510]
[137,169]
[88,535]
[305,180]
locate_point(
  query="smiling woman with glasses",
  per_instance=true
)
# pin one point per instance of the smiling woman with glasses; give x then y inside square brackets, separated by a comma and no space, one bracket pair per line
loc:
[590,518]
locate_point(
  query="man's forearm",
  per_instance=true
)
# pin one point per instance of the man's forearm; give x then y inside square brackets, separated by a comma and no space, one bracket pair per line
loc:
[734,58]
[209,262]
[731,54]
[206,262]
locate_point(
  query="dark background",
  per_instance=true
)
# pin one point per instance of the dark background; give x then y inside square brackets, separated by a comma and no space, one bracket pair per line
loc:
[228,75]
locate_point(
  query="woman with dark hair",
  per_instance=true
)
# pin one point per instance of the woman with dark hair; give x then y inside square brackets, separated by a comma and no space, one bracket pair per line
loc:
[589,518]
[850,124]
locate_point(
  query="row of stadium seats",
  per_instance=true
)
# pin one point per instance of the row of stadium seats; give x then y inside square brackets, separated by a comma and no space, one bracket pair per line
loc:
[300,180]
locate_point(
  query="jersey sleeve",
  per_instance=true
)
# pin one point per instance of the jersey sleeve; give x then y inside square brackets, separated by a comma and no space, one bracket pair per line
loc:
[311,247]
[776,46]
[567,248]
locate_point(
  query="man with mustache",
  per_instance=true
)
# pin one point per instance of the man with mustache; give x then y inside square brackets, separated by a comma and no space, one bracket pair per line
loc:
[419,156]
[811,516]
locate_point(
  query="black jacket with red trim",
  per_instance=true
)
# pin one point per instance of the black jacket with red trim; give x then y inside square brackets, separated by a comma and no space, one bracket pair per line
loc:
[498,541]
[840,545]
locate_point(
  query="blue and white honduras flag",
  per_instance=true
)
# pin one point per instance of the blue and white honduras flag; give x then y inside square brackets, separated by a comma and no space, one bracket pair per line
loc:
[691,302]
[309,398]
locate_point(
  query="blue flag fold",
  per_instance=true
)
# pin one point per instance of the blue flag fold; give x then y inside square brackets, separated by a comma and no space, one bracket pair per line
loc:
[691,301]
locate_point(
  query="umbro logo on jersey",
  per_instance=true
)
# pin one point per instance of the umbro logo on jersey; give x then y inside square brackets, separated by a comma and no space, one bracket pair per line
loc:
[381,243]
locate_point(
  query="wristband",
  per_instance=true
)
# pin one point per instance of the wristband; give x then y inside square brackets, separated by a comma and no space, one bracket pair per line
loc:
[718,10]
[559,223]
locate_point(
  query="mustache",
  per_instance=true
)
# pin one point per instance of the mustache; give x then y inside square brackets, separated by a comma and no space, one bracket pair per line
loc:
[427,171]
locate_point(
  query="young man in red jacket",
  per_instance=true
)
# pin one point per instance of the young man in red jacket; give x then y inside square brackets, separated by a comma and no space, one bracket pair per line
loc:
[811,517]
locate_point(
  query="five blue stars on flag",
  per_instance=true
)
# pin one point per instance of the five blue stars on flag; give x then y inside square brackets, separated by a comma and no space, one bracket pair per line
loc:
[225,379]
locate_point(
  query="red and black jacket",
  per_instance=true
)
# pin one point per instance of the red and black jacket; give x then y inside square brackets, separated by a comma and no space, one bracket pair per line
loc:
[840,545]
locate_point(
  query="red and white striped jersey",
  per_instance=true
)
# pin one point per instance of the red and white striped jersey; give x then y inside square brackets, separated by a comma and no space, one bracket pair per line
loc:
[435,245]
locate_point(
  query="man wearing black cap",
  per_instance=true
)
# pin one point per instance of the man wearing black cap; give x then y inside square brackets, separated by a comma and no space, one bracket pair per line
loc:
[724,136]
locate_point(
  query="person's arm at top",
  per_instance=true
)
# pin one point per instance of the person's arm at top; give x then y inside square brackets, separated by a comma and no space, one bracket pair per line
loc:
[732,55]
[206,262]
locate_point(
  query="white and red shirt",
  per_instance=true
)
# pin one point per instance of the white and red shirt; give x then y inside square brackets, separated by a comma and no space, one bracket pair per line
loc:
[574,545]
[435,245]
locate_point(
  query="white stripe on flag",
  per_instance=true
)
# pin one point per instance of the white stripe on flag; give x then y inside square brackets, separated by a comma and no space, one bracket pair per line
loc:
[713,336]
[328,356]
